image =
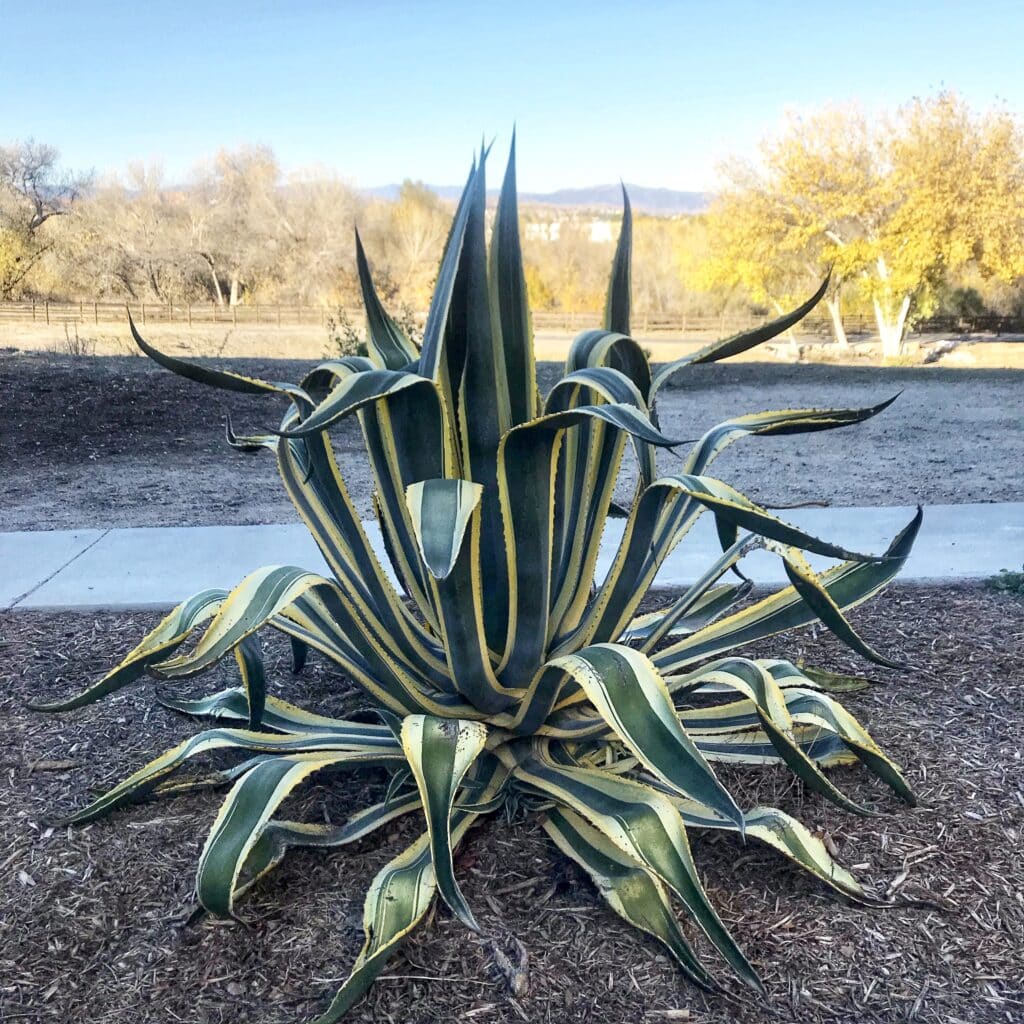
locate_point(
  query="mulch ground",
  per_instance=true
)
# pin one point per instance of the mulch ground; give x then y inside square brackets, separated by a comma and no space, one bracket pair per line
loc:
[91,919]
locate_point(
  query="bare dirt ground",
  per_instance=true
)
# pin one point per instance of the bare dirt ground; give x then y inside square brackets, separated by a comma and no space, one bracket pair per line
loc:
[117,441]
[91,919]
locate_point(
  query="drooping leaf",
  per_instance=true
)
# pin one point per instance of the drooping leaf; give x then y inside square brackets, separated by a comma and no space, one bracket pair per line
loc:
[739,342]
[632,890]
[440,751]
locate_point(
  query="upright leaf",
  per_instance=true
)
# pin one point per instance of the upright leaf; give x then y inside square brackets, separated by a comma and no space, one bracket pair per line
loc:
[616,309]
[388,343]
[513,331]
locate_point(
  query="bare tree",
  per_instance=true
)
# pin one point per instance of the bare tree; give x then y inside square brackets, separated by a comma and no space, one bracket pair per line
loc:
[133,239]
[33,191]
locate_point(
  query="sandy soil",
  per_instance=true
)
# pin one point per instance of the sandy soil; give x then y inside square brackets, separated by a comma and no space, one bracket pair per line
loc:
[112,442]
[91,919]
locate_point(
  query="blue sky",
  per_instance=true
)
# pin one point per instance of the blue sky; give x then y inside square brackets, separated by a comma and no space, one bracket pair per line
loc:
[654,93]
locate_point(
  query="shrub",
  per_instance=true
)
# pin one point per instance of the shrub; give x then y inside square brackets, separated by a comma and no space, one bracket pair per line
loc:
[1008,582]
[502,672]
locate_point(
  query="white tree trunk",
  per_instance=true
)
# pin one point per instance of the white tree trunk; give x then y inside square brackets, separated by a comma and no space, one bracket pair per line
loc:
[234,295]
[791,333]
[838,330]
[891,328]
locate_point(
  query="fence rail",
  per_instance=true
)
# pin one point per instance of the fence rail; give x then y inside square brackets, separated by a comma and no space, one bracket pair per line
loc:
[297,315]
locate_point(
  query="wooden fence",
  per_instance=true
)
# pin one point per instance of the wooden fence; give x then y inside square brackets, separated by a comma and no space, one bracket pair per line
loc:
[297,315]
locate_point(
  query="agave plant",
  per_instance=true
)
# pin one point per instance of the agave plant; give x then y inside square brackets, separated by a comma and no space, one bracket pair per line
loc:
[502,673]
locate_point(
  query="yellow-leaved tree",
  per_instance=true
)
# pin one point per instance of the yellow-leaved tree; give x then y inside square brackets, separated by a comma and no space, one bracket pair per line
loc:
[891,204]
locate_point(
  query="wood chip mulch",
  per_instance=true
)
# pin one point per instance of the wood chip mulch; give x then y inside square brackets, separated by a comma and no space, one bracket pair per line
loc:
[92,920]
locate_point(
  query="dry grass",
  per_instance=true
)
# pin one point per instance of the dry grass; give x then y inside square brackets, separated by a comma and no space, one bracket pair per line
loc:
[91,919]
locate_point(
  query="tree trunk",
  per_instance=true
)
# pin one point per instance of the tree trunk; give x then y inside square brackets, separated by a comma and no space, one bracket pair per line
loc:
[234,296]
[838,330]
[213,277]
[891,328]
[791,333]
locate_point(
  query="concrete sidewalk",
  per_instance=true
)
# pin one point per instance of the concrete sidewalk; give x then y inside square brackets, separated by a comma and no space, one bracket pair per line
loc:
[155,568]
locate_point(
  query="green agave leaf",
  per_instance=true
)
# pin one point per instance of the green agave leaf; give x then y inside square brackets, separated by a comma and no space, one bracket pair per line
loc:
[830,682]
[616,310]
[632,698]
[644,824]
[755,747]
[774,718]
[614,349]
[351,394]
[233,704]
[313,479]
[526,464]
[257,599]
[397,900]
[249,656]
[363,739]
[739,342]
[765,424]
[387,341]
[631,890]
[250,444]
[696,606]
[279,836]
[222,379]
[816,596]
[684,616]
[509,300]
[170,634]
[848,584]
[440,751]
[243,816]
[441,510]
[817,710]
[589,461]
[433,354]
[613,386]
[738,510]
[786,834]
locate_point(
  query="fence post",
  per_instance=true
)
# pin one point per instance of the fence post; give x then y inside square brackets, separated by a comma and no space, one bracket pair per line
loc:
[143,314]
[234,315]
[95,312]
[33,311]
[47,310]
[278,316]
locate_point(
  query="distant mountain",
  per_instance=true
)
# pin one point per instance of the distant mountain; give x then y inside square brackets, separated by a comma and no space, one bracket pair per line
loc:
[660,201]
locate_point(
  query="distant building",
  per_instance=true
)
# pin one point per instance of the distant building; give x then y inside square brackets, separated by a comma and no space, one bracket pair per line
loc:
[549,228]
[543,231]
